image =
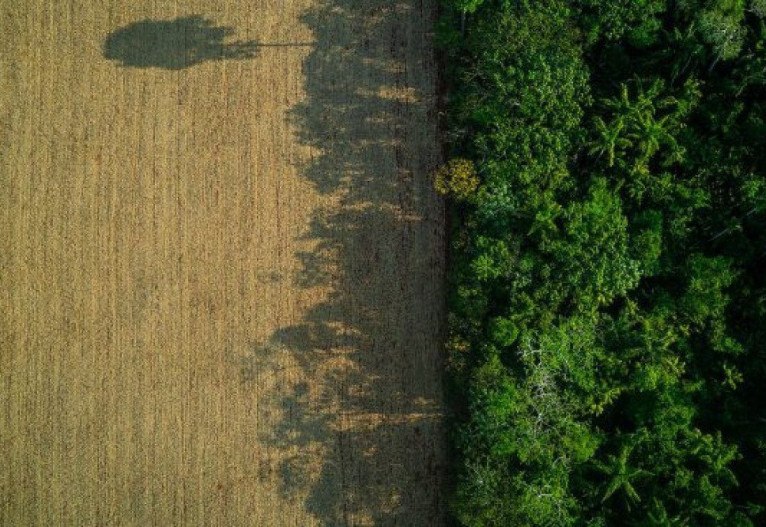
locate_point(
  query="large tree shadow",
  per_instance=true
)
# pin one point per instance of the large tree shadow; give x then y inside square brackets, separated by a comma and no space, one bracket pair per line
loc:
[179,43]
[370,395]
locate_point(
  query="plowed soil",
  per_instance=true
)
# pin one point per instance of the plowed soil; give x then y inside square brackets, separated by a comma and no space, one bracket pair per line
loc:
[221,264]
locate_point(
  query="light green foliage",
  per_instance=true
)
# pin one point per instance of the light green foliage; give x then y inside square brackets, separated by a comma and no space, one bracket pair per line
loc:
[620,476]
[720,25]
[637,137]
[592,255]
[493,259]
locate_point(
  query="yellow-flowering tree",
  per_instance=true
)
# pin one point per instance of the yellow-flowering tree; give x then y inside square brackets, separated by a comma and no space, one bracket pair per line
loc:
[456,178]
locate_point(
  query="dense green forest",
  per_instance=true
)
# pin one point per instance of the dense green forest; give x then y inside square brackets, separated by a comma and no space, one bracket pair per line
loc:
[607,309]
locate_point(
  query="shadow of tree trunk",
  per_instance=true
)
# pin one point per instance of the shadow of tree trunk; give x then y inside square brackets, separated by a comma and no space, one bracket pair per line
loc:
[179,43]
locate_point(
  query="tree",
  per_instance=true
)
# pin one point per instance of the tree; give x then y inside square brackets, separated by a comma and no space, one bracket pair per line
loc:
[720,26]
[607,296]
[621,476]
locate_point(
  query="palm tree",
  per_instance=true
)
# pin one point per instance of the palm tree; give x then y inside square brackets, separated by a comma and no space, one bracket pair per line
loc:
[621,476]
[659,517]
[652,134]
[610,139]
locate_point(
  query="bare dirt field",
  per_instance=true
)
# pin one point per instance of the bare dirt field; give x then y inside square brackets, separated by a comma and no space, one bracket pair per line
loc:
[221,264]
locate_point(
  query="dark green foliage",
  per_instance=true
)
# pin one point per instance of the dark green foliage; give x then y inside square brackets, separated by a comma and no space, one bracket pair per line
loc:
[608,280]
[637,21]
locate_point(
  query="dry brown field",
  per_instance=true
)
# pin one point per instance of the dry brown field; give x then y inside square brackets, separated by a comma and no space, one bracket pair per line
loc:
[221,264]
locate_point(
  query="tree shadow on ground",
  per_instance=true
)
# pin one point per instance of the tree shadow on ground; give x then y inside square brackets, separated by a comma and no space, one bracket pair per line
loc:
[177,44]
[369,398]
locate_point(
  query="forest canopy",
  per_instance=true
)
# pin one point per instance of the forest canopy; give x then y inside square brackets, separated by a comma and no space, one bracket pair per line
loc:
[607,308]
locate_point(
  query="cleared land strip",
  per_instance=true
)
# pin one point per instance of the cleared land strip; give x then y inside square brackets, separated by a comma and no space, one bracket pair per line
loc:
[221,264]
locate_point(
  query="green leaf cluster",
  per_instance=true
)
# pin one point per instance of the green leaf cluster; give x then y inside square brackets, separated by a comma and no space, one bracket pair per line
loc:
[607,306]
